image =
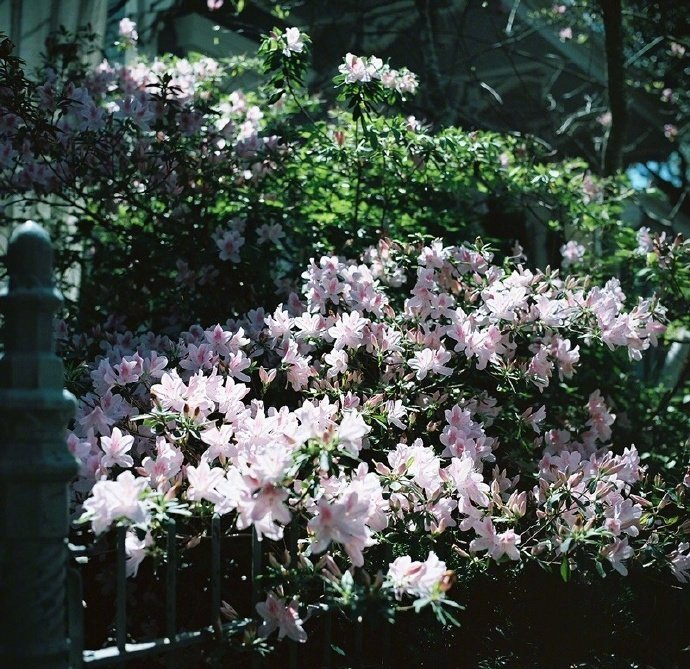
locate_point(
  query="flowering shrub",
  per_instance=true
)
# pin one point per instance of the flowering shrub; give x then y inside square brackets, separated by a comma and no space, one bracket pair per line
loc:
[237,189]
[396,410]
[398,404]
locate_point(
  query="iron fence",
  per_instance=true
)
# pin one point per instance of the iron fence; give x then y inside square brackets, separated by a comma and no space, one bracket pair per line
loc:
[174,640]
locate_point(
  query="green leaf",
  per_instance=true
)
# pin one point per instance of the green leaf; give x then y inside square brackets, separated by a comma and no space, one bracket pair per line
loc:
[275,97]
[565,569]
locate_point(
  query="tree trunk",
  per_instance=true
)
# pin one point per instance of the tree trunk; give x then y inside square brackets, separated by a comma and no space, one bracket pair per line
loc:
[613,29]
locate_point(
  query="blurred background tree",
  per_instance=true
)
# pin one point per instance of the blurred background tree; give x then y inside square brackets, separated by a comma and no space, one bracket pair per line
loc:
[527,66]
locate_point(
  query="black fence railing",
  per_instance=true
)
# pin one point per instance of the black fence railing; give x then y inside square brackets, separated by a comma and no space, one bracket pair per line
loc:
[167,646]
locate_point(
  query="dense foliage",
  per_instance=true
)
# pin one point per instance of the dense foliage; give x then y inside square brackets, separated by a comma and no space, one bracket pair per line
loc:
[227,189]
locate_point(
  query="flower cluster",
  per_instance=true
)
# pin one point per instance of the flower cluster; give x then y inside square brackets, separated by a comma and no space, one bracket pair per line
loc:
[391,415]
[120,110]
[573,253]
[356,69]
[127,30]
[420,579]
[220,181]
[660,249]
[154,140]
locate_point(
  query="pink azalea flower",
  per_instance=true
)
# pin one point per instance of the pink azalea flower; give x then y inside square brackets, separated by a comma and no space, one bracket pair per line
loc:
[680,562]
[355,69]
[395,413]
[111,500]
[351,431]
[573,253]
[348,331]
[496,544]
[534,418]
[343,522]
[229,243]
[127,29]
[164,468]
[617,553]
[116,449]
[136,550]
[419,579]
[203,481]
[469,483]
[337,362]
[429,360]
[279,616]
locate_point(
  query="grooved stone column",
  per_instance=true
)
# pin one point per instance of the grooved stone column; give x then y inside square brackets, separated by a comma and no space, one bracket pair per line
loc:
[35,464]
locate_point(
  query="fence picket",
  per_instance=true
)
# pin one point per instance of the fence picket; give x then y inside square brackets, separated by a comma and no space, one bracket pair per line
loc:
[215,568]
[121,591]
[359,643]
[75,618]
[386,651]
[171,590]
[257,566]
[387,626]
[327,640]
[293,536]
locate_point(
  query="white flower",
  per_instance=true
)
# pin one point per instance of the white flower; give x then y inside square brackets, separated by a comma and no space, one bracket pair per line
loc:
[135,549]
[229,243]
[355,69]
[294,42]
[573,253]
[343,522]
[116,449]
[203,481]
[395,413]
[337,362]
[496,545]
[427,360]
[111,500]
[422,362]
[128,30]
[351,431]
[645,242]
[469,483]
[348,330]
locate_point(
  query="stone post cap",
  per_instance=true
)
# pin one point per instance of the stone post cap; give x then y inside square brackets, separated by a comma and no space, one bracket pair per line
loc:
[30,256]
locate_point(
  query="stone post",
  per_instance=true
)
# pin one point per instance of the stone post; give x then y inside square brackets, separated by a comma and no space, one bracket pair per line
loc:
[35,464]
